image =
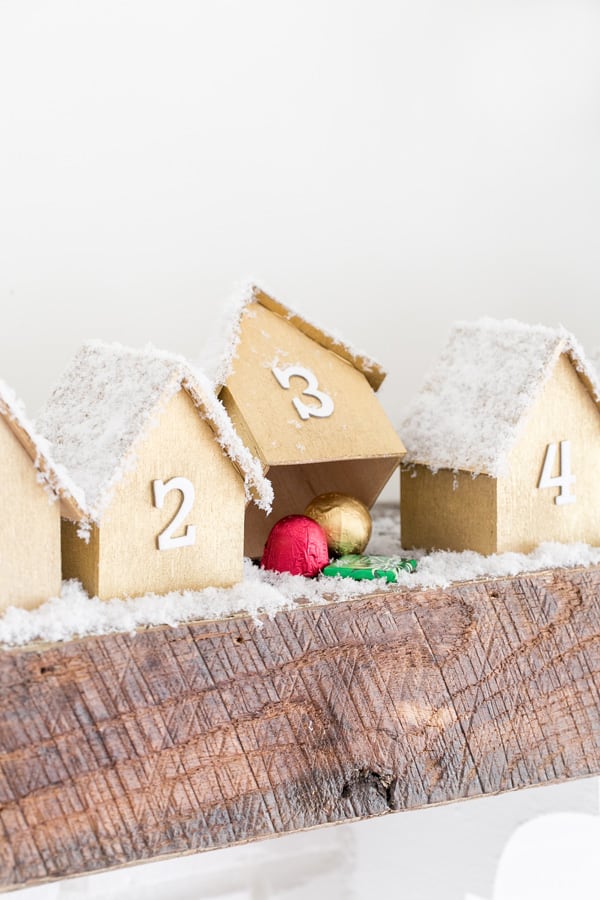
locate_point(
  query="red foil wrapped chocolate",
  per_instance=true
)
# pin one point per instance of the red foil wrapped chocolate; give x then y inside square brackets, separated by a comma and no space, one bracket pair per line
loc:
[297,545]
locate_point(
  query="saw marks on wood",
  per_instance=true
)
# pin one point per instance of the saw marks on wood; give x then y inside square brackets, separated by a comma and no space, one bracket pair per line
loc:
[120,748]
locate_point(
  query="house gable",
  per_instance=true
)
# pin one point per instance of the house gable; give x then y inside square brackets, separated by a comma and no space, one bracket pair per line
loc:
[30,569]
[564,410]
[372,371]
[180,444]
[221,346]
[294,420]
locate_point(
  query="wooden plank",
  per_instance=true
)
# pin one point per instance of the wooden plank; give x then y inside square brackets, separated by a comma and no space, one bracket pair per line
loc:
[128,747]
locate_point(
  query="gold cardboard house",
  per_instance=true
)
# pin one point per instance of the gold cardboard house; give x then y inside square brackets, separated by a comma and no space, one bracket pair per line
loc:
[305,404]
[166,479]
[503,443]
[33,490]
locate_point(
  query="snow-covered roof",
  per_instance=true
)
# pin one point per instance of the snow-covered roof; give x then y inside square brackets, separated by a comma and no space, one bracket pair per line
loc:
[107,399]
[218,355]
[469,412]
[51,474]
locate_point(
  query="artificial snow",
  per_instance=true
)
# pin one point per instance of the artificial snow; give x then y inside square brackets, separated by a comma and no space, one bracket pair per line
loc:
[218,355]
[470,410]
[51,474]
[261,593]
[222,340]
[107,399]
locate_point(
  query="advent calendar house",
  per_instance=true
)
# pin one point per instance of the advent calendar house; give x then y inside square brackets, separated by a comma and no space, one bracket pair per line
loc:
[503,443]
[166,478]
[304,403]
[33,489]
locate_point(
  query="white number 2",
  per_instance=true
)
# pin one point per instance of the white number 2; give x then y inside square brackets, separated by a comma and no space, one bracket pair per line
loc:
[160,490]
[564,479]
[326,408]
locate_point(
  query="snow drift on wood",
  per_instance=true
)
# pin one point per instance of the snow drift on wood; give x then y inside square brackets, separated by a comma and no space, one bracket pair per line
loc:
[266,593]
[471,408]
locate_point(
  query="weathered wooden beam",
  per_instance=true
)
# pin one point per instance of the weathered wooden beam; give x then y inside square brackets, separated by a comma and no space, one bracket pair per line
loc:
[133,746]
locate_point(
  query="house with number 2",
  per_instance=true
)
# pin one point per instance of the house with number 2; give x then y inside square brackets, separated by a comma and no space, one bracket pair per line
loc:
[503,443]
[165,477]
[305,403]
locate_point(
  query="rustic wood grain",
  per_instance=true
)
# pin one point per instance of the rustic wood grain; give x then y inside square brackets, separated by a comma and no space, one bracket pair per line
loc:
[128,747]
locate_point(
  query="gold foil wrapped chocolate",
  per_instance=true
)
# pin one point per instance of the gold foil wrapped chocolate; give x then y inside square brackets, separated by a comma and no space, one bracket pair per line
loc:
[345,520]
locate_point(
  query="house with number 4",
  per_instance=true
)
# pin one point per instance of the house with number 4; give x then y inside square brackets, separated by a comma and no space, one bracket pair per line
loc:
[503,443]
[305,403]
[166,479]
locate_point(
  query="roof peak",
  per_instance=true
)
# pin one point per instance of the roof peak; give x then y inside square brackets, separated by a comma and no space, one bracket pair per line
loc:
[222,350]
[469,411]
[106,400]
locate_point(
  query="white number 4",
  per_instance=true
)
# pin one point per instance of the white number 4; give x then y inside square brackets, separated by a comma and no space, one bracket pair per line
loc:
[326,408]
[160,489]
[564,479]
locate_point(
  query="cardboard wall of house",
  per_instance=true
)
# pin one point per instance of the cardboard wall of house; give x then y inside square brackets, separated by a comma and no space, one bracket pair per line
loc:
[299,405]
[80,559]
[123,558]
[528,514]
[447,510]
[515,513]
[29,529]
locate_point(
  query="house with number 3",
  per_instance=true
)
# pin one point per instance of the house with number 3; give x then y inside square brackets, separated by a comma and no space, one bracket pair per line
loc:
[165,477]
[503,443]
[305,403]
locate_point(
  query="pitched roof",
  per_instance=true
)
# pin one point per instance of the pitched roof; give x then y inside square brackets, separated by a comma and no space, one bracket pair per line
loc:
[51,474]
[106,400]
[471,408]
[220,354]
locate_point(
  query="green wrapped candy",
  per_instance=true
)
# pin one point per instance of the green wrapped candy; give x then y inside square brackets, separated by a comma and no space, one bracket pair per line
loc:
[353,565]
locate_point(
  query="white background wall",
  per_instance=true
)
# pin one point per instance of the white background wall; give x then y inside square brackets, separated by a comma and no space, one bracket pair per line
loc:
[384,166]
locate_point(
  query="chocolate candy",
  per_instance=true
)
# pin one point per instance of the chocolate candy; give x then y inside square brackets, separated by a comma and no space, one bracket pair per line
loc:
[296,544]
[345,520]
[359,567]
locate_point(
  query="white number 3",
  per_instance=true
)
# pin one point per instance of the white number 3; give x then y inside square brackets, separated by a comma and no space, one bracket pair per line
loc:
[564,479]
[326,408]
[160,489]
